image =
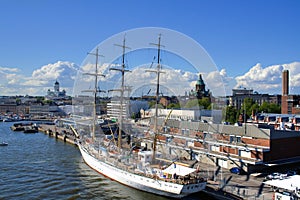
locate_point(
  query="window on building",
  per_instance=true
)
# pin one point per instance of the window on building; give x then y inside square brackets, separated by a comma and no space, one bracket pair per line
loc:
[187,131]
[231,138]
[238,139]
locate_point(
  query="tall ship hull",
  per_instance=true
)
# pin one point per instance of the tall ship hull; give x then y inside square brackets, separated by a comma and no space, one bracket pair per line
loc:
[158,185]
[151,170]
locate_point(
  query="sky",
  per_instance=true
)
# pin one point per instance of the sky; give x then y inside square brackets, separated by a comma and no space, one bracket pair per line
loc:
[250,42]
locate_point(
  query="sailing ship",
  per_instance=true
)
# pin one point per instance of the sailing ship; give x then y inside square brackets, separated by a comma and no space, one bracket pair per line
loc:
[142,169]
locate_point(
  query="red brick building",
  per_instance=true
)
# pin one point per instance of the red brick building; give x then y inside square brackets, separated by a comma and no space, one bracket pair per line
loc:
[290,104]
[251,147]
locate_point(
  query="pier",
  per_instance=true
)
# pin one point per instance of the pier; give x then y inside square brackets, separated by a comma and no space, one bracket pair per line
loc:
[61,133]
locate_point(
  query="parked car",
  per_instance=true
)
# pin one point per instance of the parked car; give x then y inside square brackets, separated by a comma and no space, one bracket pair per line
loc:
[291,172]
[275,175]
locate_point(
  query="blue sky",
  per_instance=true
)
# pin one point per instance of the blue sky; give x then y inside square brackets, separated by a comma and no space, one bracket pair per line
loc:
[240,36]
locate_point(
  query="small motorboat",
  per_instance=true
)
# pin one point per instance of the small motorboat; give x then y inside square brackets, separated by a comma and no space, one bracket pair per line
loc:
[3,144]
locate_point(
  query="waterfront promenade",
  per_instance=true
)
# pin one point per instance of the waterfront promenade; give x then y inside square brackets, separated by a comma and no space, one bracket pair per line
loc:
[225,185]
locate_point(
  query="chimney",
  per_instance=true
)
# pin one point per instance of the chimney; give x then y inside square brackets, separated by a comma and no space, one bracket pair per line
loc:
[285,92]
[285,83]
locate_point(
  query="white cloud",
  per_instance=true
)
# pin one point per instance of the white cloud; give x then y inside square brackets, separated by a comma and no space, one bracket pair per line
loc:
[172,82]
[7,69]
[217,82]
[176,82]
[268,79]
[13,81]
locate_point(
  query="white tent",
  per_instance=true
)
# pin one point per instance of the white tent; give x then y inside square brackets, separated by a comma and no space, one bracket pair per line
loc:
[178,170]
[290,183]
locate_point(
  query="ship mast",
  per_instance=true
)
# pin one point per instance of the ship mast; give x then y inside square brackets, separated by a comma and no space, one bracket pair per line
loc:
[158,72]
[122,89]
[95,91]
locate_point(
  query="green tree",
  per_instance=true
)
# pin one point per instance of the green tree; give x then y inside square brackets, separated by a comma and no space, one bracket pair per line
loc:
[203,103]
[47,102]
[269,108]
[173,105]
[191,103]
[152,105]
[247,107]
[18,101]
[40,99]
[231,114]
[255,108]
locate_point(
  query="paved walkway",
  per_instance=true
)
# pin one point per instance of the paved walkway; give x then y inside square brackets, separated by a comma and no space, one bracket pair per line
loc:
[233,186]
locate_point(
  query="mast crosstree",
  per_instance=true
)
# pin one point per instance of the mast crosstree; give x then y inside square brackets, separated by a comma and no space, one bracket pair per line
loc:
[121,90]
[95,90]
[158,71]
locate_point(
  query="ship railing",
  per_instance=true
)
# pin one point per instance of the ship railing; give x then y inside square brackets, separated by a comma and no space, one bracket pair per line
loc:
[146,171]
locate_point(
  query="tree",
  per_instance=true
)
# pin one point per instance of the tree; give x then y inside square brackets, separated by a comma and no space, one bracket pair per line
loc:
[247,106]
[152,105]
[203,103]
[18,101]
[40,99]
[47,102]
[269,108]
[231,114]
[173,105]
[192,103]
[255,108]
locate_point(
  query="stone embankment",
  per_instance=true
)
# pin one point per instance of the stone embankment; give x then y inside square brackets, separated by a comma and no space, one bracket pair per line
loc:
[61,133]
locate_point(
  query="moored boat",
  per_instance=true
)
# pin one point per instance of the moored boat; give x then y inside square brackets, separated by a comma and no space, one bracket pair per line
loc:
[148,170]
[3,144]
[20,126]
[175,181]
[30,129]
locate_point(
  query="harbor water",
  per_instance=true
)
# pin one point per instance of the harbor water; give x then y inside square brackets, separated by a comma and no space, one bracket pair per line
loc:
[36,166]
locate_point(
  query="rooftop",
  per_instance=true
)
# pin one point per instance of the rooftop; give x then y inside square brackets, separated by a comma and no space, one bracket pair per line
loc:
[289,183]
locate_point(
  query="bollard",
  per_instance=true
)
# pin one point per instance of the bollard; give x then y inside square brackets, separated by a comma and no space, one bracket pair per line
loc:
[65,138]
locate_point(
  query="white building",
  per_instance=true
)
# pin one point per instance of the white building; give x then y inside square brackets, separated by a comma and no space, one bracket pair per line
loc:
[214,116]
[56,93]
[129,108]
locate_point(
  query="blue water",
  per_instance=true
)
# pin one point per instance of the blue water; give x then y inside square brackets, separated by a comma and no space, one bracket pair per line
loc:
[36,166]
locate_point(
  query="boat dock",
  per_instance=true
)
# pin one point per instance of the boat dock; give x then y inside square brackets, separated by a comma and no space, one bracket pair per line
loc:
[62,133]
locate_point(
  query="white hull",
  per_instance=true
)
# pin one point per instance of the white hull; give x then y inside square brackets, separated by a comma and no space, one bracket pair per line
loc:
[139,182]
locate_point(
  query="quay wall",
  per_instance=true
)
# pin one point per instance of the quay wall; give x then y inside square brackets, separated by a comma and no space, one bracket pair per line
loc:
[61,133]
